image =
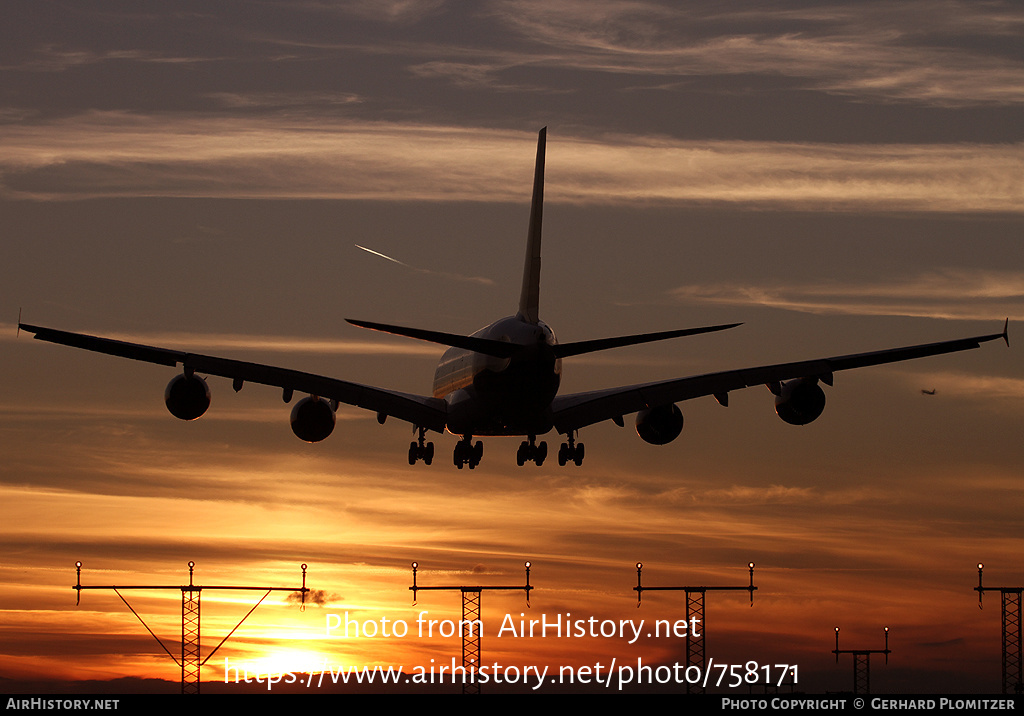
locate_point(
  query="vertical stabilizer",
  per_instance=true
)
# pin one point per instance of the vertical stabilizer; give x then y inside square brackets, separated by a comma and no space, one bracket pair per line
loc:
[530,296]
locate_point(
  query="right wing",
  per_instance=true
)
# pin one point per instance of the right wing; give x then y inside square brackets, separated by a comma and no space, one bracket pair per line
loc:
[422,411]
[572,412]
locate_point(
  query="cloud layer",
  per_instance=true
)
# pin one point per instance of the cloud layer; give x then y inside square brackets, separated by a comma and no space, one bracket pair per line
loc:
[120,155]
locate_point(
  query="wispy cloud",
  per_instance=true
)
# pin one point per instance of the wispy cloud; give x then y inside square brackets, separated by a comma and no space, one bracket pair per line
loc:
[401,11]
[951,294]
[152,409]
[923,52]
[911,52]
[283,100]
[120,154]
[54,58]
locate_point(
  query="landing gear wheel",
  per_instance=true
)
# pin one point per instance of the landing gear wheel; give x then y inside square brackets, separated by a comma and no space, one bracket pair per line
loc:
[420,449]
[466,453]
[530,451]
[521,453]
[570,452]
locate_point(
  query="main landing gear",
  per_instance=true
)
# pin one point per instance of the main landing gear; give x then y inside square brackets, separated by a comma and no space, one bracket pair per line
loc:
[418,450]
[466,453]
[570,451]
[529,451]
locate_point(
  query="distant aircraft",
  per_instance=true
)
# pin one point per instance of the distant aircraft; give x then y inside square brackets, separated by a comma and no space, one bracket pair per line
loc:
[503,379]
[927,392]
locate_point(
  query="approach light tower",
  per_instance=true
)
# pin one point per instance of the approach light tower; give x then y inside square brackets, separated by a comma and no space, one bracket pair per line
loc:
[695,649]
[190,619]
[471,624]
[1012,676]
[862,663]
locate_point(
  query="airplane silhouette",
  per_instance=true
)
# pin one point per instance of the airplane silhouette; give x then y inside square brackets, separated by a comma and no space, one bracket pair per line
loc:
[504,379]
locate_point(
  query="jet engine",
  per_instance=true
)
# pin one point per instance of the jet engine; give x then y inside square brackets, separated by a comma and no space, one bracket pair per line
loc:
[187,397]
[312,419]
[800,401]
[661,425]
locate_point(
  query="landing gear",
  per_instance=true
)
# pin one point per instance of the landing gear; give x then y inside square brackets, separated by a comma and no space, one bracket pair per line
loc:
[530,451]
[419,450]
[570,451]
[466,453]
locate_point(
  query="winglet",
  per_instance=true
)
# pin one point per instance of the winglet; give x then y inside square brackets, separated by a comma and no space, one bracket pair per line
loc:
[1006,333]
[529,299]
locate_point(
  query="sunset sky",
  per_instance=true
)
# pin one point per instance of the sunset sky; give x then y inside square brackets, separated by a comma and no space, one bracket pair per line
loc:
[839,177]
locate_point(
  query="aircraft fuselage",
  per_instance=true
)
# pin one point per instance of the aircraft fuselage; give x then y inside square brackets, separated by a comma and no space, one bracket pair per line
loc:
[501,396]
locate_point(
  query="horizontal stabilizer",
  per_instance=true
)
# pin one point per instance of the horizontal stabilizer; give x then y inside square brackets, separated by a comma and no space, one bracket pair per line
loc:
[564,350]
[501,349]
[497,349]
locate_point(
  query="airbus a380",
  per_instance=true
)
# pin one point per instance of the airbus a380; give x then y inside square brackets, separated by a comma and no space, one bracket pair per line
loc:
[503,379]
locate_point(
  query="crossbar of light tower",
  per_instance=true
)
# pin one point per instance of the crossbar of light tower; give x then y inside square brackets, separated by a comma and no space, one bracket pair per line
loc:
[471,615]
[191,625]
[696,654]
[1012,636]
[862,663]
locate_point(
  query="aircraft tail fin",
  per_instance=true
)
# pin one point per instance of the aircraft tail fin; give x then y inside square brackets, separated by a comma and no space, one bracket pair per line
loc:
[529,298]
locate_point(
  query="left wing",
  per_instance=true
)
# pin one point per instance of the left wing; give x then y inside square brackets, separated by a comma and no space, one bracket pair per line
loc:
[422,411]
[572,412]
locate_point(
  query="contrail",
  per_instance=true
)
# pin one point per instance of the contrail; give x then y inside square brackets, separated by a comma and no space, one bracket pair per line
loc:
[457,277]
[383,256]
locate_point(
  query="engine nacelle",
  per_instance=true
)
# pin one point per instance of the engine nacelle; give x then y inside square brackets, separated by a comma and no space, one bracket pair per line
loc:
[187,396]
[312,419]
[801,401]
[659,426]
